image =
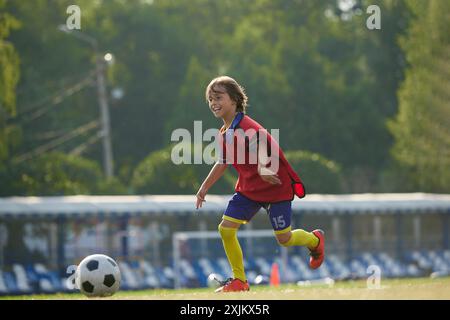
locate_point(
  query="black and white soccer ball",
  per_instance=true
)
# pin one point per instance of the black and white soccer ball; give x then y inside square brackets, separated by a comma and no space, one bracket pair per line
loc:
[98,275]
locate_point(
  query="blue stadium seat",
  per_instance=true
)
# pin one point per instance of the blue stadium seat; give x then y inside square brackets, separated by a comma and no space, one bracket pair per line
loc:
[189,277]
[250,264]
[164,276]
[129,277]
[32,277]
[142,274]
[21,278]
[3,288]
[10,282]
[149,275]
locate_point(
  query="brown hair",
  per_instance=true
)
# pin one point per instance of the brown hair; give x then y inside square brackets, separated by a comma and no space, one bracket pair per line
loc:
[234,90]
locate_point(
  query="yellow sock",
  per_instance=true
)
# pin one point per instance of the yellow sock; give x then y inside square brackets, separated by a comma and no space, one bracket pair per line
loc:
[302,238]
[233,251]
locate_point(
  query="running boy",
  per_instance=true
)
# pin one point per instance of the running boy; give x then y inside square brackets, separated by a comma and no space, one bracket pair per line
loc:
[259,184]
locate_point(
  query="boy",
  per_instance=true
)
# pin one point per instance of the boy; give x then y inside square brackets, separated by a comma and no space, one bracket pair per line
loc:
[269,182]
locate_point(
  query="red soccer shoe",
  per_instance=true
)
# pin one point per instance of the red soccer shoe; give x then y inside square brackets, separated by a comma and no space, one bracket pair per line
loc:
[233,285]
[317,254]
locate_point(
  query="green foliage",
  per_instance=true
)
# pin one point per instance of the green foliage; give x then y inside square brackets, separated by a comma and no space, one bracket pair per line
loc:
[310,69]
[319,174]
[157,174]
[56,174]
[191,105]
[422,125]
[9,62]
[9,77]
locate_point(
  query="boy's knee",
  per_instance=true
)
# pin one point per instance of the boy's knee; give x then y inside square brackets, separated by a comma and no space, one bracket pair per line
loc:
[283,244]
[220,228]
[283,239]
[226,232]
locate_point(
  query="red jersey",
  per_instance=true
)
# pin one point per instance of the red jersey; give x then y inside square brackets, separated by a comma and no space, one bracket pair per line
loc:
[240,145]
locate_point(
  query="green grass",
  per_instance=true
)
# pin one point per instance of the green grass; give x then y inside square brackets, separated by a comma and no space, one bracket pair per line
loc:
[403,289]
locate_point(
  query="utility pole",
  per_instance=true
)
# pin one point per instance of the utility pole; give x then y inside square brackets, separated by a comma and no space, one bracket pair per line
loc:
[105,123]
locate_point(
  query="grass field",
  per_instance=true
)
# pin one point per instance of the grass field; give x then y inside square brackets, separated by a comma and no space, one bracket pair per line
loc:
[402,289]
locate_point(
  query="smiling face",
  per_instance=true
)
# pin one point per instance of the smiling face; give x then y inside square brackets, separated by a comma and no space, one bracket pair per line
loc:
[220,103]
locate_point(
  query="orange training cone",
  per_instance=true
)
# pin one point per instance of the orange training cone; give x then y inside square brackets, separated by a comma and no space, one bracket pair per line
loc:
[275,275]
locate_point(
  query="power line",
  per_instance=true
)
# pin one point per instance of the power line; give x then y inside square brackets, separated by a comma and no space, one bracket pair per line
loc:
[57,99]
[47,135]
[49,98]
[79,150]
[54,143]
[31,83]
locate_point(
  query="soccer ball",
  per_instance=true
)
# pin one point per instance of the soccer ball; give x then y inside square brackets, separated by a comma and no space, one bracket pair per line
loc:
[98,275]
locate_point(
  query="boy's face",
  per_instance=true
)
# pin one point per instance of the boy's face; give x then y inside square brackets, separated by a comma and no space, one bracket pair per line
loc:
[220,102]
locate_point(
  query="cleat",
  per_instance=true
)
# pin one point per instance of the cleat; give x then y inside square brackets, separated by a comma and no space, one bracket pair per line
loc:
[233,285]
[317,254]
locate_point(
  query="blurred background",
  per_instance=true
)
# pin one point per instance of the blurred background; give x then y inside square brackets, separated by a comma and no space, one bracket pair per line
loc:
[90,112]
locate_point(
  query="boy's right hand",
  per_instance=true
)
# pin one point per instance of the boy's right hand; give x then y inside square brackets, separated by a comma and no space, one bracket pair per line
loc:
[201,194]
[268,175]
[273,179]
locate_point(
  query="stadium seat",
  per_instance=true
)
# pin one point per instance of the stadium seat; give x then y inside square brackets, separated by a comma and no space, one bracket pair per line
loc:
[446,255]
[206,265]
[146,267]
[187,269]
[251,276]
[21,278]
[188,277]
[165,276]
[289,273]
[250,264]
[10,282]
[129,280]
[142,274]
[225,267]
[3,288]
[264,265]
[36,274]
[47,280]
[168,272]
[31,274]
[412,271]
[301,268]
[46,286]
[152,277]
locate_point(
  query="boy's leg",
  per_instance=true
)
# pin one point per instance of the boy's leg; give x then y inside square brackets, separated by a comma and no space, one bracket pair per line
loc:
[280,217]
[228,233]
[240,210]
[298,237]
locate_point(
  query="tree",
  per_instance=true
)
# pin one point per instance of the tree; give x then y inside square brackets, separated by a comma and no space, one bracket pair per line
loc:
[157,174]
[422,125]
[9,77]
[319,174]
[56,173]
[311,69]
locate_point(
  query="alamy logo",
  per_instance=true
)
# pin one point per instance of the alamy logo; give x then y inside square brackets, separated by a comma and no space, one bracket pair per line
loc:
[236,146]
[74,20]
[374,280]
[70,282]
[374,21]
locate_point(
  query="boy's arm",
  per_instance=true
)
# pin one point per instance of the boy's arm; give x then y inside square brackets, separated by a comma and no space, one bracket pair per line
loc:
[216,172]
